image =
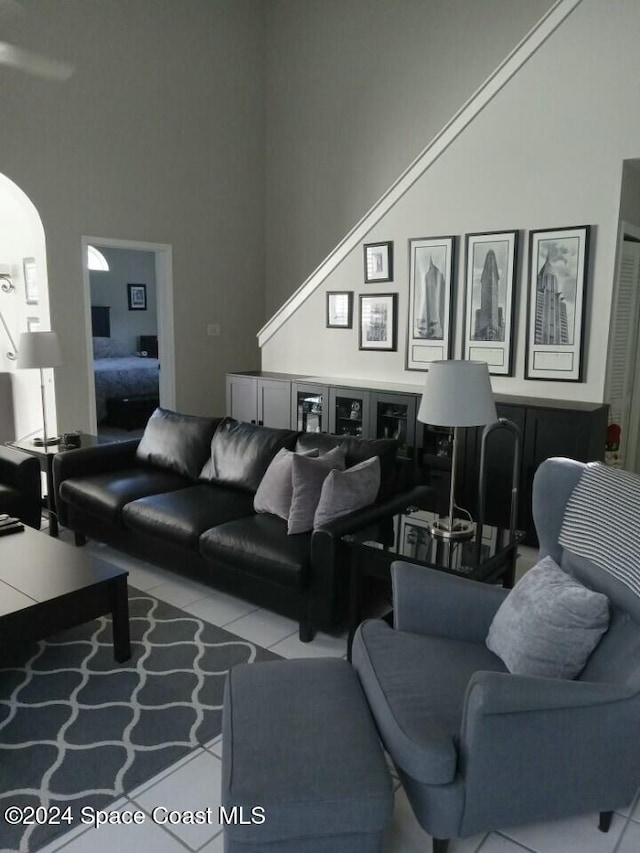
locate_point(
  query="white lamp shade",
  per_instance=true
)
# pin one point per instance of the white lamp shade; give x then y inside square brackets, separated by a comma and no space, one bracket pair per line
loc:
[457,394]
[39,349]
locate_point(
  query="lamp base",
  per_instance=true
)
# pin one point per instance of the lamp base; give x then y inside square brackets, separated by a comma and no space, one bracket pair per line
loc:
[40,442]
[445,528]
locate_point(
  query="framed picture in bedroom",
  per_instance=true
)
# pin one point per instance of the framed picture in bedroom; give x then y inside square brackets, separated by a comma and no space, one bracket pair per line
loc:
[137,297]
[490,269]
[340,309]
[378,262]
[378,322]
[558,259]
[429,333]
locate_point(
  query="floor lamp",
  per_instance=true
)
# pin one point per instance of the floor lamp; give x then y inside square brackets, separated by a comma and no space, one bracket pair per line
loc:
[456,394]
[41,350]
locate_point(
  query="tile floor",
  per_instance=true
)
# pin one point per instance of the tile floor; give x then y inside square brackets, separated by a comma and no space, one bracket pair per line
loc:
[194,782]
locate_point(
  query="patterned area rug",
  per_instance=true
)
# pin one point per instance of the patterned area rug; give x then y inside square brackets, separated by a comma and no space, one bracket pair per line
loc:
[78,729]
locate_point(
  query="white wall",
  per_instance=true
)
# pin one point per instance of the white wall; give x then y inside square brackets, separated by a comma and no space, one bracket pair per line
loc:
[630,193]
[355,90]
[158,137]
[21,236]
[110,289]
[546,152]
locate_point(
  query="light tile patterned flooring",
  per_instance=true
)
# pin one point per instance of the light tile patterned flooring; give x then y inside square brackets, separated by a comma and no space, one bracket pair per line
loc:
[194,782]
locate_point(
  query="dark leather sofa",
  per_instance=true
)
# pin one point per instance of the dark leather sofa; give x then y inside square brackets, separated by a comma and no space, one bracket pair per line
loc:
[182,499]
[20,489]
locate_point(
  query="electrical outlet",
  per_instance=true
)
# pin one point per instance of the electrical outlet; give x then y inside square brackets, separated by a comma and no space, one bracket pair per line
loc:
[213,330]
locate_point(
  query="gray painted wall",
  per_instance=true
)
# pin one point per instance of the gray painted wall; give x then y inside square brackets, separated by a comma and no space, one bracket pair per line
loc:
[110,289]
[158,137]
[355,90]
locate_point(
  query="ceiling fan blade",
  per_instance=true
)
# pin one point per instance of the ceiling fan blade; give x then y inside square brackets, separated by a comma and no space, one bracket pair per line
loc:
[34,63]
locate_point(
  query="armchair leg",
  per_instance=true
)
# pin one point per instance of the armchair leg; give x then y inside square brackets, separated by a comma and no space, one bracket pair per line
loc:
[605,821]
[305,631]
[440,845]
[80,539]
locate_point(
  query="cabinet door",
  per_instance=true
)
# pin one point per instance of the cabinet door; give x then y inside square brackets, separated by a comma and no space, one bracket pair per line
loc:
[394,416]
[349,412]
[309,407]
[274,403]
[242,400]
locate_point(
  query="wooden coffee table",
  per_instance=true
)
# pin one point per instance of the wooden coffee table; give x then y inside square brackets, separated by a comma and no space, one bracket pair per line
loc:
[48,586]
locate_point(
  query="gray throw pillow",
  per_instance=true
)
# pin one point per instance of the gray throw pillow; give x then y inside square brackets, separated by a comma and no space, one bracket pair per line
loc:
[308,475]
[549,623]
[275,492]
[346,491]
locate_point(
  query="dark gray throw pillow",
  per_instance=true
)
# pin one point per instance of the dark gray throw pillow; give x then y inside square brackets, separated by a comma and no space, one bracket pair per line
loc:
[177,442]
[549,623]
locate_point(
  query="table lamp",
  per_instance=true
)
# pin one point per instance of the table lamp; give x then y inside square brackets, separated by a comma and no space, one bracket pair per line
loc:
[41,350]
[456,394]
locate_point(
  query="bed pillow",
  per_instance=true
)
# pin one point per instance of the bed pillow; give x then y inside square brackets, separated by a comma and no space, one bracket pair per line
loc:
[549,623]
[275,492]
[177,442]
[346,491]
[308,475]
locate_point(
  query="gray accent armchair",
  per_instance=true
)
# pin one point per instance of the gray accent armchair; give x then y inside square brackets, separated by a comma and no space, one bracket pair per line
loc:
[478,748]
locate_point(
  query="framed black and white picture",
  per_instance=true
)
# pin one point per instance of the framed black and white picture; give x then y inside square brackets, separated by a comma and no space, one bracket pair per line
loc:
[137,296]
[378,262]
[378,322]
[33,324]
[430,299]
[340,309]
[489,300]
[30,281]
[556,308]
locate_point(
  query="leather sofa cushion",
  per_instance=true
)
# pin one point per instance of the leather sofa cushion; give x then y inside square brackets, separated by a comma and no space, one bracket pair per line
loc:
[241,453]
[182,515]
[359,449]
[416,684]
[104,495]
[259,545]
[177,442]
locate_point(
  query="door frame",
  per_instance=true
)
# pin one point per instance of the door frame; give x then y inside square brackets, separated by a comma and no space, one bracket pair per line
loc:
[164,303]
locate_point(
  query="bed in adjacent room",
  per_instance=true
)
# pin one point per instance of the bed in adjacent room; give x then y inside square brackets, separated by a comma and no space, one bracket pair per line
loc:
[119,374]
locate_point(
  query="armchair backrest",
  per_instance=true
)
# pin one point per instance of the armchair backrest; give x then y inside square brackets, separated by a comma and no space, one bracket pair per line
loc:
[617,657]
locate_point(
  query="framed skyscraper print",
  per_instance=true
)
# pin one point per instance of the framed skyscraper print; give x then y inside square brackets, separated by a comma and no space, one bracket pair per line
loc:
[378,322]
[556,310]
[489,300]
[430,300]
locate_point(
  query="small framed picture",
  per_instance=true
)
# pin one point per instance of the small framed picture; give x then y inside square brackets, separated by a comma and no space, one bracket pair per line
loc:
[33,324]
[429,335]
[137,295]
[340,309]
[378,262]
[490,301]
[378,322]
[30,281]
[556,310]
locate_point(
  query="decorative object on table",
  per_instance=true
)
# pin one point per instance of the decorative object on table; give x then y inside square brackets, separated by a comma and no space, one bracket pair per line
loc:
[137,297]
[378,262]
[40,350]
[10,524]
[30,281]
[378,322]
[430,301]
[490,300]
[71,439]
[456,394]
[556,310]
[340,309]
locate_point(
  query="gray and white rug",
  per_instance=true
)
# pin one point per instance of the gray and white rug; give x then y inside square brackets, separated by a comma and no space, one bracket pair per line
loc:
[78,729]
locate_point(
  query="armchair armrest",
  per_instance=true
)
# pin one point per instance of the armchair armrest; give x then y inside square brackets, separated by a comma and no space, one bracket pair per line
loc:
[427,601]
[18,470]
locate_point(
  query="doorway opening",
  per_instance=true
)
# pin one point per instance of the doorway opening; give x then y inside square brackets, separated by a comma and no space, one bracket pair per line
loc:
[129,329]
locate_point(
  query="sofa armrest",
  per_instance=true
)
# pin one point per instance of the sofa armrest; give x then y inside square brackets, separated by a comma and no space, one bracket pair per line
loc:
[428,601]
[85,461]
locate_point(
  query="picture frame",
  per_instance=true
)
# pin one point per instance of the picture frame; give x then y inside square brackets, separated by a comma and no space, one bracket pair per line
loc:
[378,322]
[339,309]
[489,313]
[378,262]
[556,309]
[430,315]
[30,281]
[33,324]
[137,297]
